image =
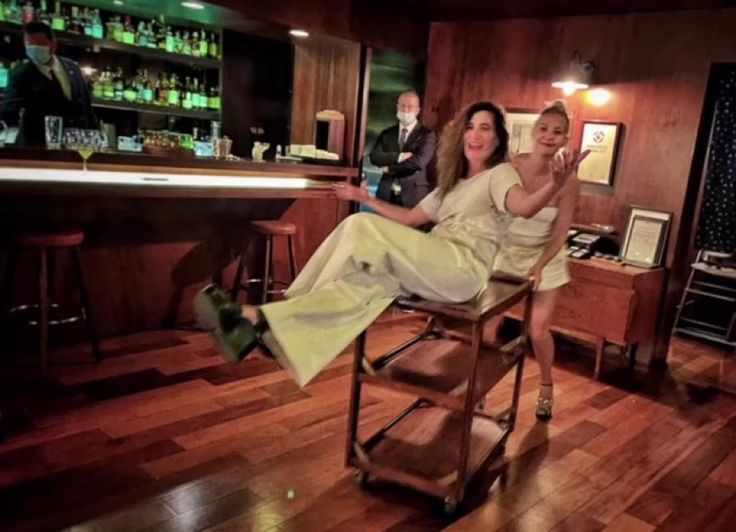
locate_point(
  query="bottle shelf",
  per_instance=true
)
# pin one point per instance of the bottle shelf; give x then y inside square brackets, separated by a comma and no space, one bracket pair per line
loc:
[85,41]
[155,109]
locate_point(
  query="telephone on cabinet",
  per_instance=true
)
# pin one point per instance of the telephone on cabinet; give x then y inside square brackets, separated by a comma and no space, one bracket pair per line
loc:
[583,245]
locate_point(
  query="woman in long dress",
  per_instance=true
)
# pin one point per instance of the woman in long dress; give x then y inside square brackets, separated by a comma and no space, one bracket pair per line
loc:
[536,246]
[371,259]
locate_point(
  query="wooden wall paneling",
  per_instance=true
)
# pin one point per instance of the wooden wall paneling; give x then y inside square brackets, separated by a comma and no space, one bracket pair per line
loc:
[257,78]
[655,65]
[326,76]
[380,23]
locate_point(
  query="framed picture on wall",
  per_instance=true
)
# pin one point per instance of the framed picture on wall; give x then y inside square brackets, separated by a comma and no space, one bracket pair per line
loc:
[602,139]
[646,237]
[519,124]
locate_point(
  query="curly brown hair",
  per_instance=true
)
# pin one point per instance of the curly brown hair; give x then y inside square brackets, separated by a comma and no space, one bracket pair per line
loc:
[451,162]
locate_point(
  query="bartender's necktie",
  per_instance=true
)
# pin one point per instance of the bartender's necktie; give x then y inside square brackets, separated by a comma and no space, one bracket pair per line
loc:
[402,138]
[55,79]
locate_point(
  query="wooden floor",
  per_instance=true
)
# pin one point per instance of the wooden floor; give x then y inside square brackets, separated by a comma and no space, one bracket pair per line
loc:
[162,435]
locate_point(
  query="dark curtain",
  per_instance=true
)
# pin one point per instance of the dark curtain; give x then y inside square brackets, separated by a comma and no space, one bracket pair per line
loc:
[717,223]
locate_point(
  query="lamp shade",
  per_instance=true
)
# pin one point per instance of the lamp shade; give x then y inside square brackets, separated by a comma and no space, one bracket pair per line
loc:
[578,75]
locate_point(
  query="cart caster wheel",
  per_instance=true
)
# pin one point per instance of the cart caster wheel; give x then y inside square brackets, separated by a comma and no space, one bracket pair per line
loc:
[361,477]
[450,507]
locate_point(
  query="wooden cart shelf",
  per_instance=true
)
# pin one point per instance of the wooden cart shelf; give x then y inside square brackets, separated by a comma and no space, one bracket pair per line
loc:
[437,369]
[438,443]
[425,444]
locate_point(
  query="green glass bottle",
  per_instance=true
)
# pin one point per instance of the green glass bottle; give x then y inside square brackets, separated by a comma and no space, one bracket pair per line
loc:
[203,44]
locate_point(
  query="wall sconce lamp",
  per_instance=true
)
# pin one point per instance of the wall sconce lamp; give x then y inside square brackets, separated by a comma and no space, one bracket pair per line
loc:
[579,75]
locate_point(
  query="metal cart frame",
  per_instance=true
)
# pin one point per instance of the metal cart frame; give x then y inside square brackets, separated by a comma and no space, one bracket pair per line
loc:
[449,372]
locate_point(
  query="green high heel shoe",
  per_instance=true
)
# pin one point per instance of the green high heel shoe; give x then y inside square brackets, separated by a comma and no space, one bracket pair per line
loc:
[236,337]
[544,406]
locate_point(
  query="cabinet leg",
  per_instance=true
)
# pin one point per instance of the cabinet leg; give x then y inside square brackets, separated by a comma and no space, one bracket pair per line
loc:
[600,348]
[632,349]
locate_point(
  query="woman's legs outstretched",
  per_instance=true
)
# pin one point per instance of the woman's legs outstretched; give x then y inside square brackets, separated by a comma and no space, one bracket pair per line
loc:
[355,274]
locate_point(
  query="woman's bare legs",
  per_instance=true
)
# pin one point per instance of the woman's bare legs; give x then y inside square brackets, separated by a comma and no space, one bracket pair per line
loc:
[544,348]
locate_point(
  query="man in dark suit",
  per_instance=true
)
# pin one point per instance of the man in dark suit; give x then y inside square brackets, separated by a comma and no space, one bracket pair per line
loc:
[45,85]
[406,154]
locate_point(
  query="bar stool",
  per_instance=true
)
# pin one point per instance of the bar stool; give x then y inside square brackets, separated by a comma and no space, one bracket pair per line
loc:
[43,244]
[269,229]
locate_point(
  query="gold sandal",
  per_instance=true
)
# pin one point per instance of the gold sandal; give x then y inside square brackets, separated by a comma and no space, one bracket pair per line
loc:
[544,406]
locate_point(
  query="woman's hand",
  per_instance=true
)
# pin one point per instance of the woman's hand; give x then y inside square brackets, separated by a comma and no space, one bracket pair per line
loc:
[351,193]
[535,274]
[564,164]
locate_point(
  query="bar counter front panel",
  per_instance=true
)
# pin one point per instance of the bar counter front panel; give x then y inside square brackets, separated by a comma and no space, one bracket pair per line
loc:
[155,233]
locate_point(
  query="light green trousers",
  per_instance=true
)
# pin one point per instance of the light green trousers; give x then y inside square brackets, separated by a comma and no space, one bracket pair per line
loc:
[362,266]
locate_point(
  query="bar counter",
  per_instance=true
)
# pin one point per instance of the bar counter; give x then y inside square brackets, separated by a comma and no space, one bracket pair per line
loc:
[158,228]
[139,175]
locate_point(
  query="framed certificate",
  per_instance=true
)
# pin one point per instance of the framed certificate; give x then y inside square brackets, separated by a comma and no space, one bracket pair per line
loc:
[602,139]
[646,237]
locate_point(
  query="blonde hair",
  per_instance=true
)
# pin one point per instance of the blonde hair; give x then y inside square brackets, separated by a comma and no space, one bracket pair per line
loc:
[556,108]
[451,162]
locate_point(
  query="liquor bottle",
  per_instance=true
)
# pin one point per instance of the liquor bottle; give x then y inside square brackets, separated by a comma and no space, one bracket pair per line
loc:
[186,44]
[203,100]
[74,23]
[142,37]
[195,94]
[43,13]
[214,99]
[58,22]
[128,31]
[97,31]
[118,85]
[2,11]
[3,76]
[195,44]
[174,93]
[13,12]
[147,89]
[214,49]
[170,43]
[178,42]
[203,46]
[163,91]
[29,13]
[108,87]
[98,87]
[86,22]
[186,99]
[130,91]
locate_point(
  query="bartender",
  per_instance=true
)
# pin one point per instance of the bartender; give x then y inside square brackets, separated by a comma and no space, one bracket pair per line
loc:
[45,85]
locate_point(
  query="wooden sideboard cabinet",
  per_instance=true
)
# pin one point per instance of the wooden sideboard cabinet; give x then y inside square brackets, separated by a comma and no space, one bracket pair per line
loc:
[606,303]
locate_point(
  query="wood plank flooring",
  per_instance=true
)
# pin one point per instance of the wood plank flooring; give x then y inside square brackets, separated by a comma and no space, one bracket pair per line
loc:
[163,435]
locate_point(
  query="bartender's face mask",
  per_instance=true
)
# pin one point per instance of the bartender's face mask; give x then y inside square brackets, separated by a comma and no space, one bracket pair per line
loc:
[39,48]
[40,55]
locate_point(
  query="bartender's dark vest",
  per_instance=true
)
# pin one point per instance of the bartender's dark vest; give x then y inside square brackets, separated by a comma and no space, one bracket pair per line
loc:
[45,97]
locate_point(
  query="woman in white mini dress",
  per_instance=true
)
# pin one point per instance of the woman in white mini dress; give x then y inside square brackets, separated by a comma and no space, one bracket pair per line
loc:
[371,259]
[536,246]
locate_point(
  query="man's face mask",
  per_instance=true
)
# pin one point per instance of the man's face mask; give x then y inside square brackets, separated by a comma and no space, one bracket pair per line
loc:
[40,55]
[406,118]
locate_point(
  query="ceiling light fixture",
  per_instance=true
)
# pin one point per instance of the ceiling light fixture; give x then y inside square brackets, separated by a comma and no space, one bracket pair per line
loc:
[302,34]
[193,5]
[579,75]
[117,2]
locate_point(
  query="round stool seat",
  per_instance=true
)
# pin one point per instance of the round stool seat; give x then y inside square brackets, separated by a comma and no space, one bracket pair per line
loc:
[273,227]
[59,239]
